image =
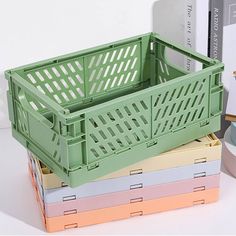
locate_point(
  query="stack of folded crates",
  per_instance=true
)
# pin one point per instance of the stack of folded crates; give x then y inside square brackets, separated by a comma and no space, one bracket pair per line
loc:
[118,131]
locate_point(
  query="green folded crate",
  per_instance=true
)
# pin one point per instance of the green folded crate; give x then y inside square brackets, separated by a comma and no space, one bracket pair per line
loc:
[92,112]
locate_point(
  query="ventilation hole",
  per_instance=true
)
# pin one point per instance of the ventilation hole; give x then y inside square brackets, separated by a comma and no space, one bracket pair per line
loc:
[119,128]
[162,69]
[200,87]
[111,131]
[186,92]
[187,103]
[180,119]
[92,75]
[113,82]
[113,55]
[127,51]
[120,80]
[164,113]
[133,50]
[54,137]
[57,98]
[80,92]
[99,59]
[78,65]
[128,140]
[127,111]
[144,105]
[179,107]
[55,154]
[194,101]
[136,137]
[72,94]
[94,138]
[93,123]
[180,91]
[127,78]
[94,152]
[79,79]
[120,67]
[63,69]
[113,69]
[134,62]
[172,109]
[194,114]
[106,57]
[71,81]
[47,74]
[194,87]
[119,113]
[92,89]
[33,105]
[201,112]
[119,142]
[127,125]
[71,67]
[120,53]
[157,100]
[40,89]
[31,78]
[39,76]
[127,65]
[111,146]
[165,97]
[111,116]
[106,71]
[99,74]
[64,83]
[186,119]
[55,71]
[48,87]
[134,75]
[164,127]
[160,79]
[56,85]
[102,119]
[107,83]
[103,149]
[157,114]
[135,107]
[172,95]
[102,134]
[65,97]
[91,62]
[143,119]
[201,99]
[100,86]
[144,134]
[157,129]
[135,122]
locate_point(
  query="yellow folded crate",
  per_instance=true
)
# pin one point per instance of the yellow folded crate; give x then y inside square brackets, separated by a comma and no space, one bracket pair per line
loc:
[201,150]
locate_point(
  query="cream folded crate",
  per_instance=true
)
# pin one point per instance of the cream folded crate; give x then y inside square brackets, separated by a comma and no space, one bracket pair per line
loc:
[199,151]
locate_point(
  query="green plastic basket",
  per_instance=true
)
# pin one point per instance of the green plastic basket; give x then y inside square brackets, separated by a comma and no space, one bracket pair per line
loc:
[92,112]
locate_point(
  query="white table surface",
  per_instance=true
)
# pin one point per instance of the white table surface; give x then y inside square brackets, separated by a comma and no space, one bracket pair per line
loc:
[19,212]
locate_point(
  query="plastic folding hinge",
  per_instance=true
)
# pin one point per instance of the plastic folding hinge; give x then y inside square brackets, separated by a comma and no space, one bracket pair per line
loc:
[93,166]
[136,213]
[199,202]
[152,143]
[200,188]
[136,186]
[136,172]
[200,160]
[70,226]
[70,212]
[69,198]
[204,123]
[200,174]
[135,200]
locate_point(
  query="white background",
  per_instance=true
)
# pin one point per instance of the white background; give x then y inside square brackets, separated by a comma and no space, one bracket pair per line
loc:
[35,30]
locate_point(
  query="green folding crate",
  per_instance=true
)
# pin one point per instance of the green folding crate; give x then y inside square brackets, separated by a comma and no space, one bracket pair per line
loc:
[92,112]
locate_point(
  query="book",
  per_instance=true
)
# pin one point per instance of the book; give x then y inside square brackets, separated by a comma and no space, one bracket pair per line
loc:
[196,30]
[222,45]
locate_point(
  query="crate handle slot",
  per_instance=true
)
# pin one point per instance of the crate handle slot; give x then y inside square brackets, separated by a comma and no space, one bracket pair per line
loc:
[25,105]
